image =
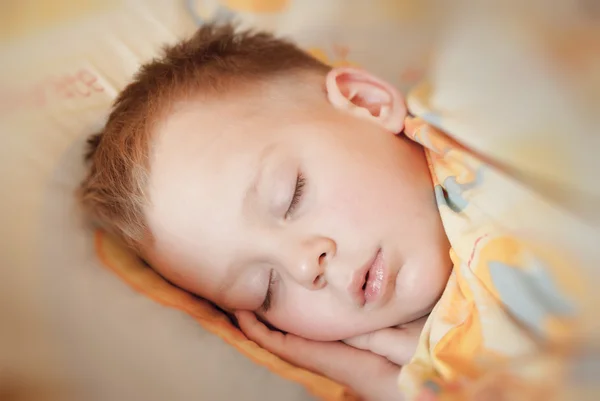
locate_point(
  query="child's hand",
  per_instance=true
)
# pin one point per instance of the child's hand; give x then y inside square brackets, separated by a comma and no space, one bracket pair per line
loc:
[371,376]
[397,344]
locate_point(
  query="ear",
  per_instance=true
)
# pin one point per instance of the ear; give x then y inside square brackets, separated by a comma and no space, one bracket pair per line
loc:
[366,96]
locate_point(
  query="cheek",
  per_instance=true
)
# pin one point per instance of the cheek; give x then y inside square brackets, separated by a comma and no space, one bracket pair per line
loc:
[360,199]
[314,315]
[423,287]
[359,183]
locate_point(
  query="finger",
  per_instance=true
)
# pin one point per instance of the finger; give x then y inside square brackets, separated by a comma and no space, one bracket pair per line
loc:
[258,332]
[362,341]
[297,350]
[294,349]
[397,345]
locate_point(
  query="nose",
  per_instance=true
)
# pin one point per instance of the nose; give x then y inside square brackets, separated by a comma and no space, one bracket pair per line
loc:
[308,266]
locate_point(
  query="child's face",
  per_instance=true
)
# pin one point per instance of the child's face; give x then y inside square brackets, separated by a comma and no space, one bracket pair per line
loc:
[225,219]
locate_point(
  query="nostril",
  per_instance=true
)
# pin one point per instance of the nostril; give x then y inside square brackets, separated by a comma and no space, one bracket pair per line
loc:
[318,281]
[322,258]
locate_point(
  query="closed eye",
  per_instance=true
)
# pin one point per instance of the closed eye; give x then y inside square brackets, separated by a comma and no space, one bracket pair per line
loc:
[266,305]
[298,192]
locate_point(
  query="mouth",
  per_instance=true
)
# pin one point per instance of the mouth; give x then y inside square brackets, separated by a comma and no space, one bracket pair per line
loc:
[368,283]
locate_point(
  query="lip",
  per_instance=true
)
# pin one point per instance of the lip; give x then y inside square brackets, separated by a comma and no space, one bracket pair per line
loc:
[375,287]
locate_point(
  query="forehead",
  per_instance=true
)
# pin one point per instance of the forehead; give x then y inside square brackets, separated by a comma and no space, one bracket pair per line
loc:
[195,165]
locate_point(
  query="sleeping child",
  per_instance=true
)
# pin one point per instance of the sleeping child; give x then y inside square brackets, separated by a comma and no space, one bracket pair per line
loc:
[341,223]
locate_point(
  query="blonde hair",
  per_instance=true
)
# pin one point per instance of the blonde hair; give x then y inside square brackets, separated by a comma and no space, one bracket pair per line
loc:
[113,192]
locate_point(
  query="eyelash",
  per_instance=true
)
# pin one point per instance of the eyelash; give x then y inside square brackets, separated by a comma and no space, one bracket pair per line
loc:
[298,192]
[266,305]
